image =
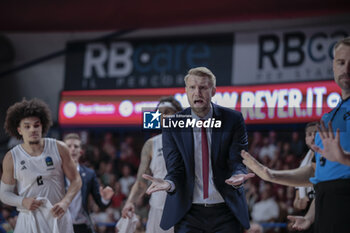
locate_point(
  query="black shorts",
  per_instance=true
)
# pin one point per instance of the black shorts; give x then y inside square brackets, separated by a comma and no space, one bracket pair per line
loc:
[332,206]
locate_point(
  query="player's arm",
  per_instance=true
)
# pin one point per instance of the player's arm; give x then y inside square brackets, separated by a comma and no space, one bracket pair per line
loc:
[310,215]
[71,172]
[300,203]
[301,223]
[139,187]
[7,187]
[294,177]
[8,183]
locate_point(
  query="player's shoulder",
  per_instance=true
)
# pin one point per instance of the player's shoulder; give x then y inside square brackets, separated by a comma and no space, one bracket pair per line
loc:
[62,149]
[61,146]
[54,141]
[147,147]
[149,142]
[155,138]
[59,142]
[8,157]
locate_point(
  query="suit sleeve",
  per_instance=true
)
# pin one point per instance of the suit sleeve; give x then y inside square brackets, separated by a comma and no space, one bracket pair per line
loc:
[173,159]
[239,143]
[95,191]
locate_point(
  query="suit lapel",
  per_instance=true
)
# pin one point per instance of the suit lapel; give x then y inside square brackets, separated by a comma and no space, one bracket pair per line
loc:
[216,135]
[83,174]
[187,140]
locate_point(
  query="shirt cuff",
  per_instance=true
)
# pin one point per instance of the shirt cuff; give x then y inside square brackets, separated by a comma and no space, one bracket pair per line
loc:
[172,186]
[104,201]
[237,186]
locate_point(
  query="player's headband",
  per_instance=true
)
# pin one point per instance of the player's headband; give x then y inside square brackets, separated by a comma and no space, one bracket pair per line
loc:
[166,104]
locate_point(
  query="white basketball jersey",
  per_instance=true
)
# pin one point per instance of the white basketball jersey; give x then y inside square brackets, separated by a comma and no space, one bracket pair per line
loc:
[158,169]
[41,177]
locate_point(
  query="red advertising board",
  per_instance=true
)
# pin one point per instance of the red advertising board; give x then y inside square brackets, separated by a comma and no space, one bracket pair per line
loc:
[260,104]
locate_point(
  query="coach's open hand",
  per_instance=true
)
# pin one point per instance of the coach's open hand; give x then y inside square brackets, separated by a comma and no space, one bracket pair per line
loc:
[157,184]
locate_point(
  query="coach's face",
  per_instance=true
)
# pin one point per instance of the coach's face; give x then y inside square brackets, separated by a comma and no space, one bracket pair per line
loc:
[199,92]
[30,129]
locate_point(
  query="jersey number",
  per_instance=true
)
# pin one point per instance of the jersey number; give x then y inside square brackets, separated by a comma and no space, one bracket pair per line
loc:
[39,180]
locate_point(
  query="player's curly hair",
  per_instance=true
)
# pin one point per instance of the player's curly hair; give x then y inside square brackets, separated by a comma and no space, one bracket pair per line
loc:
[24,109]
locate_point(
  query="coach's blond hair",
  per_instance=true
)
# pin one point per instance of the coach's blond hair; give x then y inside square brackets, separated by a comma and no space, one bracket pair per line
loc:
[202,72]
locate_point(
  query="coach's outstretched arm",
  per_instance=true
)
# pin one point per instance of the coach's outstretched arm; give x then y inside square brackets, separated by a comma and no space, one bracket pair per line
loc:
[71,172]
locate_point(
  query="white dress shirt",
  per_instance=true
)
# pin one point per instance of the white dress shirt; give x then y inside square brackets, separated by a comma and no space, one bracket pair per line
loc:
[213,194]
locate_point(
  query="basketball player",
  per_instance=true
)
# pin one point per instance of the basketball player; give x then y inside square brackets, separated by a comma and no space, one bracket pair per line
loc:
[36,168]
[152,160]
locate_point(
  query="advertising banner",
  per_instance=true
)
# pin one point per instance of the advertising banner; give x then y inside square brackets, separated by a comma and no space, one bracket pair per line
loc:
[146,62]
[260,104]
[289,55]
[241,58]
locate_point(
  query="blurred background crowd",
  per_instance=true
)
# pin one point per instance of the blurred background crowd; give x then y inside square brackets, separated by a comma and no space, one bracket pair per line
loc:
[115,157]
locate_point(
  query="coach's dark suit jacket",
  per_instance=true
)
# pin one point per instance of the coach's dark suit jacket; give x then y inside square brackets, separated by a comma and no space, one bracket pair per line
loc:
[91,186]
[226,144]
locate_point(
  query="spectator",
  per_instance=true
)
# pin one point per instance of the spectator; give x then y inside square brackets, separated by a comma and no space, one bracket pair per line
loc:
[127,180]
[108,145]
[297,145]
[268,149]
[267,208]
[118,197]
[127,155]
